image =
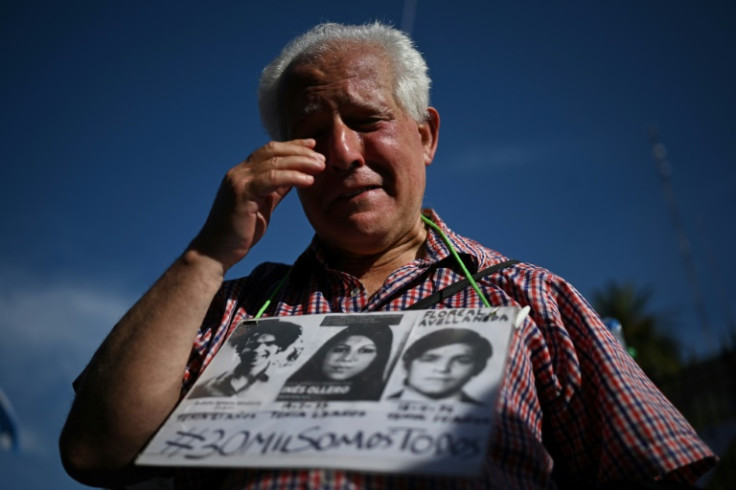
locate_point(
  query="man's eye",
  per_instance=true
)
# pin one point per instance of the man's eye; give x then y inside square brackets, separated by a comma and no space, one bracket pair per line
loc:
[366,124]
[316,133]
[310,128]
[309,133]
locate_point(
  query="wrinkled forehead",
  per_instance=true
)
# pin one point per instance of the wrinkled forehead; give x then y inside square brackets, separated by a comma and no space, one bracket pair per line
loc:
[341,69]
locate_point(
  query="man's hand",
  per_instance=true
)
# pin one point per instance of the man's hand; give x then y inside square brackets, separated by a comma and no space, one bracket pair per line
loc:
[248,195]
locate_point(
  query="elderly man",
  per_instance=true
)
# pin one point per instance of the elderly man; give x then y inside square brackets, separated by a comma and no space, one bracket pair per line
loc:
[348,109]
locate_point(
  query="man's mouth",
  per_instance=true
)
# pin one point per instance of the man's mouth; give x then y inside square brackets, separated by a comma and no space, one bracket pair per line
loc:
[356,192]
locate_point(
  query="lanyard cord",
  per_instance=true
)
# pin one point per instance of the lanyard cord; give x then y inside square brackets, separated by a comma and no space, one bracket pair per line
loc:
[272,296]
[445,239]
[465,270]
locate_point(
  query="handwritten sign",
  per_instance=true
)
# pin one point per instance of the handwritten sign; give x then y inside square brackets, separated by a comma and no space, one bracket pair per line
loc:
[408,392]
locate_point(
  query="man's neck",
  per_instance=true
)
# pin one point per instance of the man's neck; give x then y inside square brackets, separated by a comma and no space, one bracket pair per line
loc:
[373,270]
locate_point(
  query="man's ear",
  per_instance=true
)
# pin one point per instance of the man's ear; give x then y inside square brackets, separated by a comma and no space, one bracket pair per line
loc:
[429,131]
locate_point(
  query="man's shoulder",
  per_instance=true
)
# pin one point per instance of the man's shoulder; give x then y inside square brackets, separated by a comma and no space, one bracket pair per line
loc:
[521,268]
[510,266]
[485,257]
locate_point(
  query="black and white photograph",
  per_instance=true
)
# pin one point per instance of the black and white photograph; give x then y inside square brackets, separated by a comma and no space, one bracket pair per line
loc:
[351,365]
[260,348]
[440,364]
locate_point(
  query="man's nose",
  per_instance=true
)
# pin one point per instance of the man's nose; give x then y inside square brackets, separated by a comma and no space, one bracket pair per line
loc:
[343,148]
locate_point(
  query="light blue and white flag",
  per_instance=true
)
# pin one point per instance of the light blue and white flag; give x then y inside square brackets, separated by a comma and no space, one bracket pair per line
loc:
[8,425]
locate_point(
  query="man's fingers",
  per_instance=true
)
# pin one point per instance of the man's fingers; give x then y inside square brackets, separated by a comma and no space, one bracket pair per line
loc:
[277,165]
[285,148]
[304,163]
[273,180]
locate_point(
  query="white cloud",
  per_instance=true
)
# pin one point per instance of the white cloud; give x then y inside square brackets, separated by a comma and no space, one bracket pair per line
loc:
[50,329]
[54,313]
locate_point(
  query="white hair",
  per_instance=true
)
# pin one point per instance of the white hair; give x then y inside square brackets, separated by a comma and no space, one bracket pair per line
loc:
[411,81]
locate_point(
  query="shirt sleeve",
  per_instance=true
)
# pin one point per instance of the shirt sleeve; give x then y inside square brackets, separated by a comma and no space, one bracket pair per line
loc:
[603,418]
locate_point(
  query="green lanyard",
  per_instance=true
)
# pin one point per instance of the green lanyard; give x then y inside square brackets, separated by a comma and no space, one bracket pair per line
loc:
[272,296]
[465,270]
[445,239]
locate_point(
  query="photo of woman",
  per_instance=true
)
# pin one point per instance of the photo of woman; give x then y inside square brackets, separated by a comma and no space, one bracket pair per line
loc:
[349,366]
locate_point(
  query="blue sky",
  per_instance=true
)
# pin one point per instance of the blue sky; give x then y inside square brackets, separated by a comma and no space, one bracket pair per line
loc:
[120,118]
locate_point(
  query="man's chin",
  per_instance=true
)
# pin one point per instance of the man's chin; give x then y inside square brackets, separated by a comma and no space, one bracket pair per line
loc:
[365,235]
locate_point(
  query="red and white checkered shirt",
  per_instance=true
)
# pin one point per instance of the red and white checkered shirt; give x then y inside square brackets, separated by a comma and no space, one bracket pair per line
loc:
[575,409]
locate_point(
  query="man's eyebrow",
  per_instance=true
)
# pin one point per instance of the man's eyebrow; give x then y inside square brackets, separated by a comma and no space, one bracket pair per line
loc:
[301,116]
[303,112]
[312,107]
[373,106]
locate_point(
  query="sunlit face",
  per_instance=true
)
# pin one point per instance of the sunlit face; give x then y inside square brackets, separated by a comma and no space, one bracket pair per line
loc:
[370,194]
[349,357]
[259,350]
[443,371]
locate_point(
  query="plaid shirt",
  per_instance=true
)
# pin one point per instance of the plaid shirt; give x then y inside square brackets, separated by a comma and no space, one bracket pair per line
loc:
[575,410]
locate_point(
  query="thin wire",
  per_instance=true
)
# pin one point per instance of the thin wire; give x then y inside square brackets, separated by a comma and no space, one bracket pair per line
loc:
[467,273]
[407,18]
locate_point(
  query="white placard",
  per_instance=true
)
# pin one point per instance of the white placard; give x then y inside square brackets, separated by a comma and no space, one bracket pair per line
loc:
[393,392]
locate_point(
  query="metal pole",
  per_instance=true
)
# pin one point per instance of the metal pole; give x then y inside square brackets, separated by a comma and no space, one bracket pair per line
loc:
[665,172]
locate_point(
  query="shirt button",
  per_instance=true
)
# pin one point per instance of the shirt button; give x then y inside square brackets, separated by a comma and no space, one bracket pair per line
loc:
[354,293]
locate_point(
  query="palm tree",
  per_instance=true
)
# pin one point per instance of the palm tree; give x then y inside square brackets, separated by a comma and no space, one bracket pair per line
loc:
[657,352]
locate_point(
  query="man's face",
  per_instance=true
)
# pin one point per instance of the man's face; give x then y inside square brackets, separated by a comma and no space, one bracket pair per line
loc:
[443,371]
[259,350]
[370,193]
